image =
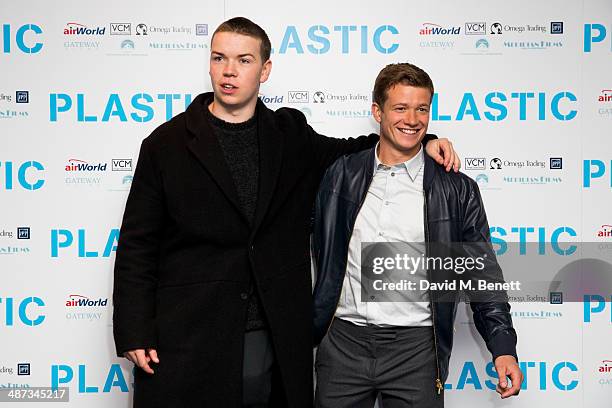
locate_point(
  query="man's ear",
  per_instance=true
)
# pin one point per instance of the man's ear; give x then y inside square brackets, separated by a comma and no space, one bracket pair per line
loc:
[376,112]
[265,71]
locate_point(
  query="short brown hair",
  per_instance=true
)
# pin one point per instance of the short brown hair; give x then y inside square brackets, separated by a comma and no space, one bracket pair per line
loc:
[244,26]
[403,73]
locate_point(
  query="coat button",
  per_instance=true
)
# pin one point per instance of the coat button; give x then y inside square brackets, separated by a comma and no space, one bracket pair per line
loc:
[244,296]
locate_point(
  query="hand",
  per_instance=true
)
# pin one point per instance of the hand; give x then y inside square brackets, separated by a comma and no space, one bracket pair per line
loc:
[142,358]
[507,366]
[441,150]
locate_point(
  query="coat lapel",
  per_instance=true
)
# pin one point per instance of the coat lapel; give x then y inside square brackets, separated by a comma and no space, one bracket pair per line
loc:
[205,147]
[271,143]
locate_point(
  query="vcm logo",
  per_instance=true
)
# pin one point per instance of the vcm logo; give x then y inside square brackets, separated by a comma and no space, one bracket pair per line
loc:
[20,38]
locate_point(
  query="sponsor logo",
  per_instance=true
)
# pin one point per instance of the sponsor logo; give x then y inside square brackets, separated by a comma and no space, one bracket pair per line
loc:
[327,97]
[6,234]
[82,45]
[318,97]
[556,298]
[165,30]
[141,29]
[120,28]
[84,301]
[23,369]
[349,113]
[271,99]
[605,231]
[81,29]
[594,169]
[556,163]
[6,97]
[496,28]
[12,114]
[495,163]
[127,45]
[14,250]
[482,44]
[127,180]
[476,28]
[177,46]
[23,233]
[533,45]
[605,96]
[298,97]
[475,163]
[201,29]
[436,29]
[22,97]
[556,27]
[540,180]
[84,308]
[605,367]
[121,165]
[443,45]
[81,165]
[482,179]
[536,314]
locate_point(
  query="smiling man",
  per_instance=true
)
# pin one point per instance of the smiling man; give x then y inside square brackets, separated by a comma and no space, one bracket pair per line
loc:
[388,195]
[212,290]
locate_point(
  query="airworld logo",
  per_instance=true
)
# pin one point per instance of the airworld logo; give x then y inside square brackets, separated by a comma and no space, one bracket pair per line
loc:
[436,29]
[81,29]
[80,165]
[84,301]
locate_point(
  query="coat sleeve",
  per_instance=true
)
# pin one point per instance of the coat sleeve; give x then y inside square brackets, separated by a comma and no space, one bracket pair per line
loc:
[135,273]
[491,309]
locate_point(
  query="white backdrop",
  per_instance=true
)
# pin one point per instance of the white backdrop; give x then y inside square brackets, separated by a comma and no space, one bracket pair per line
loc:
[539,88]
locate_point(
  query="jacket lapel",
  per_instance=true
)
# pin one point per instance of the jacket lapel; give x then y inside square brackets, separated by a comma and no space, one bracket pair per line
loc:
[271,143]
[205,147]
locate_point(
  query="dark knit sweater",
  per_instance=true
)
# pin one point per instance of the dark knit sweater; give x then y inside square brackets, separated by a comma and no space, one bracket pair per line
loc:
[239,143]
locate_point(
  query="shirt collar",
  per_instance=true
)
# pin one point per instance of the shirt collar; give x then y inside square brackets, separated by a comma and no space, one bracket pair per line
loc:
[411,166]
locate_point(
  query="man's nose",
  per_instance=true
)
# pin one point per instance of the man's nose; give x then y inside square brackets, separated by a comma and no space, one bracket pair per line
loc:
[229,70]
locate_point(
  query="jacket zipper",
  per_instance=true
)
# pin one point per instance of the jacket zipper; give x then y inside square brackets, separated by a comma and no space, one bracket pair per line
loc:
[439,385]
[347,248]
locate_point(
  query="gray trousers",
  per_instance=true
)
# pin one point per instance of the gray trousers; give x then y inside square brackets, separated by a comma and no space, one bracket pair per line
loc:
[355,365]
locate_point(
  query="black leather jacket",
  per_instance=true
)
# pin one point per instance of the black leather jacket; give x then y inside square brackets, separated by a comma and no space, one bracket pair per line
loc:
[453,212]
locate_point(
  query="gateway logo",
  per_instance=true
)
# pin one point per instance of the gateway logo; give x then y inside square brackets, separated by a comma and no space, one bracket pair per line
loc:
[81,29]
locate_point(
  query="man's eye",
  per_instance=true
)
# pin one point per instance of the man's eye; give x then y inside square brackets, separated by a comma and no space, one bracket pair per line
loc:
[217,58]
[245,61]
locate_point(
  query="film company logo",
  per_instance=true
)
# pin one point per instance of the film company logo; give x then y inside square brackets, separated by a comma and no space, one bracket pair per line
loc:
[22,97]
[201,29]
[479,28]
[23,369]
[556,298]
[120,28]
[475,163]
[556,163]
[23,233]
[556,27]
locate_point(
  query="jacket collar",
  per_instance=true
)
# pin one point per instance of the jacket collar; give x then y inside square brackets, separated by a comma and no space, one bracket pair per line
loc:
[205,146]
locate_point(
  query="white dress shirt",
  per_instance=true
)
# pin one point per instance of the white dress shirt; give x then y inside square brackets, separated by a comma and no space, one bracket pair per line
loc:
[392,212]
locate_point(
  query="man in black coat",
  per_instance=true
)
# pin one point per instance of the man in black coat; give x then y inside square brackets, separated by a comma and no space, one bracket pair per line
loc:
[212,290]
